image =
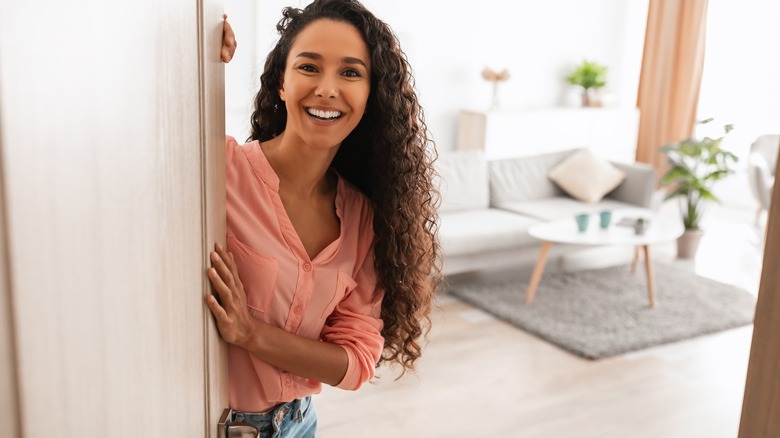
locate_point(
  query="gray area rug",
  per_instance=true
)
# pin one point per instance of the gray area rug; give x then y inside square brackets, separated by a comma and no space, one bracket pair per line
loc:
[605,312]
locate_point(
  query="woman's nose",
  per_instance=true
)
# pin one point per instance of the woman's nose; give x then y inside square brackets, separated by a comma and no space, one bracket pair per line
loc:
[327,88]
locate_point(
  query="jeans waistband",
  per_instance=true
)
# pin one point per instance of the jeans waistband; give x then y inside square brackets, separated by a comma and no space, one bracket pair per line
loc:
[278,411]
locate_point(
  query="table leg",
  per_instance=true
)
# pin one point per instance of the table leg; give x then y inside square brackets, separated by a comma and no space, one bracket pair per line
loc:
[538,269]
[637,249]
[650,280]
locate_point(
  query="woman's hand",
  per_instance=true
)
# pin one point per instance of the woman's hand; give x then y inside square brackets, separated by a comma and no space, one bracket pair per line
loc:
[234,322]
[229,43]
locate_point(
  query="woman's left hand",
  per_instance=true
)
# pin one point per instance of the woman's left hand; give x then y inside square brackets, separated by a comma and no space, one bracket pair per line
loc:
[234,322]
[229,43]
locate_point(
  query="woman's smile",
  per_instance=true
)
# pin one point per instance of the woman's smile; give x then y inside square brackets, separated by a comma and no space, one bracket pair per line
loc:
[324,114]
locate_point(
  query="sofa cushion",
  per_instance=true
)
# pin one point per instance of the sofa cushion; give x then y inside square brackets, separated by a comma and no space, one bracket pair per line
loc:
[524,178]
[473,231]
[586,177]
[562,207]
[462,181]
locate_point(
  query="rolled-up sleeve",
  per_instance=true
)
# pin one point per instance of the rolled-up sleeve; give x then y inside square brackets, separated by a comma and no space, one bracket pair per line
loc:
[356,325]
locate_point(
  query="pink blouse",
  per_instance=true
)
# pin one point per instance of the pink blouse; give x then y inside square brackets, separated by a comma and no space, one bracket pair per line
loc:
[330,298]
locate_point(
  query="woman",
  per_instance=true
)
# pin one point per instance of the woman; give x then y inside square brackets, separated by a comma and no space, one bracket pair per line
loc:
[332,257]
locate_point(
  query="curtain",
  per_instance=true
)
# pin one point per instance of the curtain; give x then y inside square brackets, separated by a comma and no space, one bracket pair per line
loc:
[670,78]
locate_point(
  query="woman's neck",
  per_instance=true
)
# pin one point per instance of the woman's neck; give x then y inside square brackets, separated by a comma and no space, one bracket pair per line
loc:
[302,170]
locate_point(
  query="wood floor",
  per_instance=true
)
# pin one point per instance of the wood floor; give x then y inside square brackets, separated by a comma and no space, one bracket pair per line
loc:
[481,377]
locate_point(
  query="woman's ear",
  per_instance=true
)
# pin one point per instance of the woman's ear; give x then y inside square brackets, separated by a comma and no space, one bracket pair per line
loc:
[281,85]
[281,88]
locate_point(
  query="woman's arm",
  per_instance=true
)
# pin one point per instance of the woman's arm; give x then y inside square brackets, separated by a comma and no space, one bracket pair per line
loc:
[313,359]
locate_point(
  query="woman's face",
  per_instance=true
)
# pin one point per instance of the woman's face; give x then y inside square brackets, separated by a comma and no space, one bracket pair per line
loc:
[326,83]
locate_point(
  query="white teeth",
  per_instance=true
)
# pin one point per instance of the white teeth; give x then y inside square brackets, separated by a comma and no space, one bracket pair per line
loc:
[324,114]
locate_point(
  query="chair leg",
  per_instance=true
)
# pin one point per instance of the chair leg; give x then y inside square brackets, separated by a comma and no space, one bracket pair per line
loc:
[766,225]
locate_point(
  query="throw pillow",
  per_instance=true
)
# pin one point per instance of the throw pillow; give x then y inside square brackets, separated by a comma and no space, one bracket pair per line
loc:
[586,177]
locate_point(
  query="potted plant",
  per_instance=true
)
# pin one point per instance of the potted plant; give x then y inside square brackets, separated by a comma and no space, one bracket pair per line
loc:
[695,165]
[590,76]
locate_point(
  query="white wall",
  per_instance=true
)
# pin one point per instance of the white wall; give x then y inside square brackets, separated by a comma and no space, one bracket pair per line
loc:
[742,69]
[449,43]
[740,82]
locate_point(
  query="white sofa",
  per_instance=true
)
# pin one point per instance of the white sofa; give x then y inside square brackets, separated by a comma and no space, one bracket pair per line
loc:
[487,207]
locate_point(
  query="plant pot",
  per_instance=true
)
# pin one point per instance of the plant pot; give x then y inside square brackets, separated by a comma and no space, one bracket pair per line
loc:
[591,97]
[585,97]
[688,243]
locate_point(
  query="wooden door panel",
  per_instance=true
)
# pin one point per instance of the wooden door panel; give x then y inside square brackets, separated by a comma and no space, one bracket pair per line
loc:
[104,142]
[9,396]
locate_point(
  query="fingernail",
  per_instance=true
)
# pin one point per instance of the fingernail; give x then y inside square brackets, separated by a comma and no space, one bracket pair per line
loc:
[214,256]
[219,247]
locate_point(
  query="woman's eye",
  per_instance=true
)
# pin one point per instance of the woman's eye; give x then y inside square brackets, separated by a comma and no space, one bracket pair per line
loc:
[352,74]
[307,68]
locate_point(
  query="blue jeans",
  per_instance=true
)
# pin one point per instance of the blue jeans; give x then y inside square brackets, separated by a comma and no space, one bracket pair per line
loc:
[296,419]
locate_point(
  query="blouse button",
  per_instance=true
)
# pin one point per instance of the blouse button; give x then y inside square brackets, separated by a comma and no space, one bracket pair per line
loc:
[287,381]
[297,310]
[306,267]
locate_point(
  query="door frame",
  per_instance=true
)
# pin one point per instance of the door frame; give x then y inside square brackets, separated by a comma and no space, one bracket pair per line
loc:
[762,386]
[211,78]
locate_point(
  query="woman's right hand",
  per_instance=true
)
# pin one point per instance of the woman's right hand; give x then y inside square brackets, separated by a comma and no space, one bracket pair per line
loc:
[229,43]
[235,324]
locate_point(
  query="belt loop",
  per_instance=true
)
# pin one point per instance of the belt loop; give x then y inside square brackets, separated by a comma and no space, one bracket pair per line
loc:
[298,414]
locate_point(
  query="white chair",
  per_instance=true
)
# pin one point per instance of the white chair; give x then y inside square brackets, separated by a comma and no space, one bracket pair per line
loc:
[761,170]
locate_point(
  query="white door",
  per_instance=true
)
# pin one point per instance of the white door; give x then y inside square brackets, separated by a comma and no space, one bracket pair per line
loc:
[112,179]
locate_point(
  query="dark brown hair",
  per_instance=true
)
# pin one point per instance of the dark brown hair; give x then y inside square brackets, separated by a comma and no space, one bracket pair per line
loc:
[388,156]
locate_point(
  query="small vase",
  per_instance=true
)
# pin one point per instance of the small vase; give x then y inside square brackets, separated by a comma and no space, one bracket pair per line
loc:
[688,243]
[494,103]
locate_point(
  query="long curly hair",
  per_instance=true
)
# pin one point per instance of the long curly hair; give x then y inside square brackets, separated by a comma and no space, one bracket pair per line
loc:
[389,157]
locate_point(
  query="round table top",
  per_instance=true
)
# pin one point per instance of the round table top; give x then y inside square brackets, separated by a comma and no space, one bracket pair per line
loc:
[659,229]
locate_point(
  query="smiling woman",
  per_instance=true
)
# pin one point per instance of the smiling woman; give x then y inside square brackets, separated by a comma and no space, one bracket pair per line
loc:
[331,259]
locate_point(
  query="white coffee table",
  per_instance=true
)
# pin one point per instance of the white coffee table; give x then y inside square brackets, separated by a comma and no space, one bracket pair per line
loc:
[565,231]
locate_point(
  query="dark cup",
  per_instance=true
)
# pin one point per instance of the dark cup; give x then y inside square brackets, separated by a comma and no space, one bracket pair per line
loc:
[640,226]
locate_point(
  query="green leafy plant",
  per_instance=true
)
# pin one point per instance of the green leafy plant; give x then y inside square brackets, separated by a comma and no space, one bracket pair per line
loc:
[588,75]
[694,166]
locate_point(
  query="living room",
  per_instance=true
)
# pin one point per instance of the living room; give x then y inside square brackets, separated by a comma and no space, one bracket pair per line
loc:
[476,365]
[112,197]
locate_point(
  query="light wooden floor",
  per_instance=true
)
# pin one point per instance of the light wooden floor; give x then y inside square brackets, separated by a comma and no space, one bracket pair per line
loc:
[480,377]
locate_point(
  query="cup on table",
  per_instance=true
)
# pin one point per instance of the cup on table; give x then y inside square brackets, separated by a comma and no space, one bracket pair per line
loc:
[605,217]
[640,226]
[582,221]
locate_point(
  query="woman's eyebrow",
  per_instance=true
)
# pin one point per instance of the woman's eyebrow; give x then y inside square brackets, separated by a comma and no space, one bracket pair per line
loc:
[346,59]
[351,60]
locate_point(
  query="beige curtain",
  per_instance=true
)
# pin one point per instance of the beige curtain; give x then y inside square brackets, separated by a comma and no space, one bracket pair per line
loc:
[671,75]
